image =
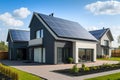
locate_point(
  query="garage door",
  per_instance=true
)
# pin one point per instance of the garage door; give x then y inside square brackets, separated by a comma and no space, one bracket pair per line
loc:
[39,55]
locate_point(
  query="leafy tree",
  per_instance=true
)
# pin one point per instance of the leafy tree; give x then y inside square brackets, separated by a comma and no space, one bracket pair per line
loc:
[119,41]
[3,46]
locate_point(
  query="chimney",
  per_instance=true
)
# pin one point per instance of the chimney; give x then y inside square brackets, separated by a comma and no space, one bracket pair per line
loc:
[103,27]
[52,14]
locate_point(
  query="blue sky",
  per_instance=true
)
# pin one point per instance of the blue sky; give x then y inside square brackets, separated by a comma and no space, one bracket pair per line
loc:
[91,14]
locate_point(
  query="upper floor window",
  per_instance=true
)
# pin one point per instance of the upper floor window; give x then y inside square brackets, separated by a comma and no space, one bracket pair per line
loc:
[39,33]
[106,42]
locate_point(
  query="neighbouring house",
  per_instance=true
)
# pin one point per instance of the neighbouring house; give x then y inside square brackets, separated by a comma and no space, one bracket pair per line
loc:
[18,44]
[53,40]
[105,39]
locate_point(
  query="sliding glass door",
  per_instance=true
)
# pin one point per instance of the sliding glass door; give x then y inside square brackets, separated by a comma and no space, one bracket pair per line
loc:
[85,55]
[63,54]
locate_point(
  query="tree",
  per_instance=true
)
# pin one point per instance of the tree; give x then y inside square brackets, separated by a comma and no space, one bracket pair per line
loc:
[119,41]
[3,46]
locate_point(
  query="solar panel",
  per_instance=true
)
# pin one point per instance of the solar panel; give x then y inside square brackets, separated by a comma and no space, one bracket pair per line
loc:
[98,33]
[20,35]
[65,28]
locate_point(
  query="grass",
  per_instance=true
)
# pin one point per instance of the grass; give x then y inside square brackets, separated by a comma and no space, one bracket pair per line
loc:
[24,75]
[111,59]
[115,76]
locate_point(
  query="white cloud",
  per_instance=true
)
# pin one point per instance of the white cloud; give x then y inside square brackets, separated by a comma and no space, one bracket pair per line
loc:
[104,7]
[21,13]
[9,20]
[92,28]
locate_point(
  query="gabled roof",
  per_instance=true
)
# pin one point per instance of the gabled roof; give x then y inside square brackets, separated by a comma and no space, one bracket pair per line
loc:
[99,33]
[66,29]
[19,35]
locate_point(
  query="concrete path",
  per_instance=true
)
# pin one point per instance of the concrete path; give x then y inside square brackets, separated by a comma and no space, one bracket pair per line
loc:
[45,71]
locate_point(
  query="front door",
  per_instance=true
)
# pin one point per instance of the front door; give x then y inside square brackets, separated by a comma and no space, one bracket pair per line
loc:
[63,54]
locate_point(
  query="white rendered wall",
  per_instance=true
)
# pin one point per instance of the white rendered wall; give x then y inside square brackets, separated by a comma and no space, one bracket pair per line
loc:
[83,44]
[105,37]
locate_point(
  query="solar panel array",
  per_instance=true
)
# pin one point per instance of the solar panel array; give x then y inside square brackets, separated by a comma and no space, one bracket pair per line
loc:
[20,35]
[98,33]
[65,28]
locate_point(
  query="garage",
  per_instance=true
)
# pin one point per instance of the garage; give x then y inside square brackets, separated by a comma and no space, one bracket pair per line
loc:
[39,55]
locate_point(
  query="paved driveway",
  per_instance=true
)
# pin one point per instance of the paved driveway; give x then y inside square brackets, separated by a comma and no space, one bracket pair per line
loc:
[46,70]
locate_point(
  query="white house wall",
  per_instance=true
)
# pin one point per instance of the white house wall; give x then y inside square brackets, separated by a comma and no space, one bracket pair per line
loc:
[83,44]
[106,37]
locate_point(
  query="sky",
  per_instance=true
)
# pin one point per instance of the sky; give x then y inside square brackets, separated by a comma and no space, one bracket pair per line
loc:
[91,14]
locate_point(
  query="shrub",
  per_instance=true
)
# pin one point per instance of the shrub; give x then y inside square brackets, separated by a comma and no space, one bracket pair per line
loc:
[94,67]
[75,69]
[83,65]
[118,63]
[86,69]
[8,72]
[106,65]
[70,60]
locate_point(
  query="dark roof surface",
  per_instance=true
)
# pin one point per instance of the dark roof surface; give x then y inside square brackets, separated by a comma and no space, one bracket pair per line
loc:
[98,33]
[66,29]
[19,35]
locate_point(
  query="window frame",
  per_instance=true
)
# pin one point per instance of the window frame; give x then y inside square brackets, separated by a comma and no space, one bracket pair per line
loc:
[106,42]
[39,34]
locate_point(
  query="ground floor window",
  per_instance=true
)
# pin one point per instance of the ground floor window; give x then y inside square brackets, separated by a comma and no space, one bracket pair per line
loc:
[39,55]
[63,54]
[106,51]
[85,55]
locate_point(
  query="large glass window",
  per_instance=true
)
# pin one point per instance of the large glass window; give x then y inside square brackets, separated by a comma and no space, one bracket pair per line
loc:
[106,51]
[106,42]
[85,55]
[39,33]
[63,54]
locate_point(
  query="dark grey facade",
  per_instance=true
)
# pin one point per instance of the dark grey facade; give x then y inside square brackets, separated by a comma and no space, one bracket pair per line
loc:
[13,50]
[17,48]
[48,40]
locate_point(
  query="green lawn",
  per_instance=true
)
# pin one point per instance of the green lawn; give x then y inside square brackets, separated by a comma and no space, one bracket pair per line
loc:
[24,75]
[112,59]
[115,76]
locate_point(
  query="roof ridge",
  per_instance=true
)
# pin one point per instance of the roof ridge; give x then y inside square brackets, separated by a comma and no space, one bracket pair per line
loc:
[56,17]
[20,30]
[99,29]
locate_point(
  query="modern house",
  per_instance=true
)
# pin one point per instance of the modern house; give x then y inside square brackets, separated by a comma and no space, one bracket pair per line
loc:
[17,44]
[104,38]
[53,40]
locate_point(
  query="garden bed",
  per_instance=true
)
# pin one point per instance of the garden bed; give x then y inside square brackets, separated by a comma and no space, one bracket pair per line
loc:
[3,77]
[76,71]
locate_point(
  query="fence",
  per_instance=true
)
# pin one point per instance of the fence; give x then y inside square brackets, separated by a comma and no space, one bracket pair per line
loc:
[116,53]
[3,55]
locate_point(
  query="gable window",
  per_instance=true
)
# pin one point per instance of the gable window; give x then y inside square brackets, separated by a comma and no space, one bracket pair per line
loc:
[106,42]
[39,33]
